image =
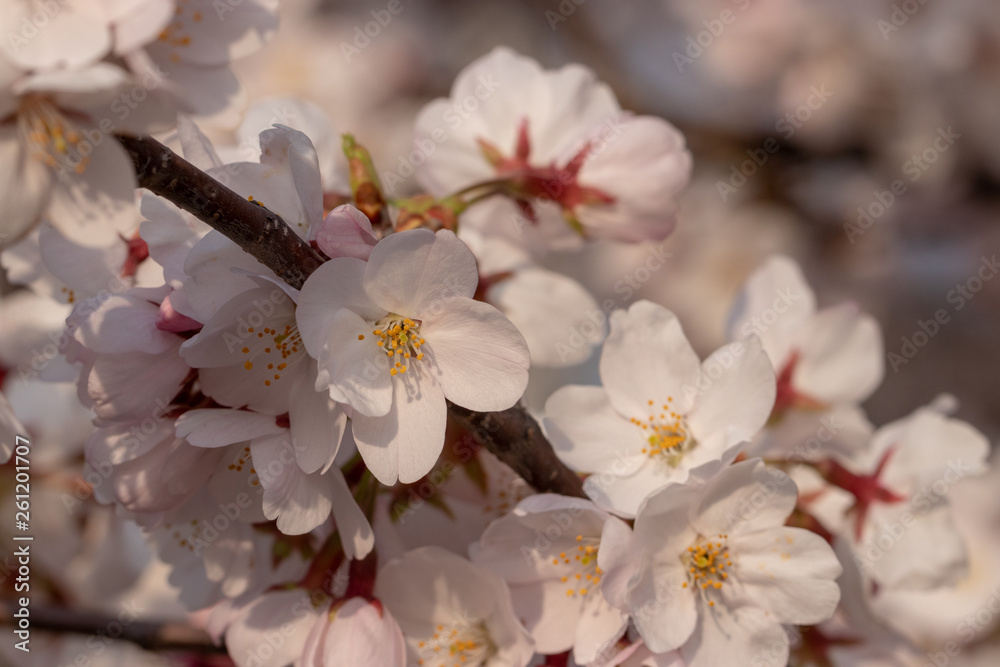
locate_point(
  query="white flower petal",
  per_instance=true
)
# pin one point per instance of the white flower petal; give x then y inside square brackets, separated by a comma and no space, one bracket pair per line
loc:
[734,637]
[600,626]
[789,572]
[623,493]
[298,501]
[124,324]
[774,303]
[739,394]
[841,356]
[25,188]
[357,369]
[554,313]
[481,357]
[216,427]
[664,613]
[405,443]
[587,433]
[94,207]
[646,358]
[335,285]
[317,424]
[291,610]
[356,533]
[746,497]
[411,272]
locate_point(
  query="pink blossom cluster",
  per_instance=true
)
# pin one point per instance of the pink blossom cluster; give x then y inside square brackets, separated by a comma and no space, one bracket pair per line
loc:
[288,453]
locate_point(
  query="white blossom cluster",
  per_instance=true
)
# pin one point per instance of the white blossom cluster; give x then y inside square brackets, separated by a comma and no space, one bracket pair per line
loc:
[288,452]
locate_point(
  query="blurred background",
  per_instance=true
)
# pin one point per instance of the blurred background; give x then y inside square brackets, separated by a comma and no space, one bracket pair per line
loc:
[858,136]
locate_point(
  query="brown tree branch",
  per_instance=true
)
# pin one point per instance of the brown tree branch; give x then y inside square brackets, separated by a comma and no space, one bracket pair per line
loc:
[150,635]
[512,435]
[255,229]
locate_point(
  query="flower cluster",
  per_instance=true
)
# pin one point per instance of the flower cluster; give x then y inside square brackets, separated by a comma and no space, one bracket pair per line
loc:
[301,458]
[74,74]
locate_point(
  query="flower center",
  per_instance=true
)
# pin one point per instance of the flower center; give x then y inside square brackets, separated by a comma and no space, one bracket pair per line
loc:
[583,572]
[457,645]
[666,434]
[706,563]
[399,337]
[271,352]
[51,137]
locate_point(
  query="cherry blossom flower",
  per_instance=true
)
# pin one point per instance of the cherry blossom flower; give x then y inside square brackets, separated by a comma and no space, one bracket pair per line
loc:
[60,164]
[215,554]
[661,415]
[250,354]
[314,631]
[131,368]
[900,483]
[191,55]
[555,581]
[713,572]
[828,361]
[398,335]
[246,627]
[355,632]
[508,94]
[946,614]
[560,140]
[452,612]
[299,499]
